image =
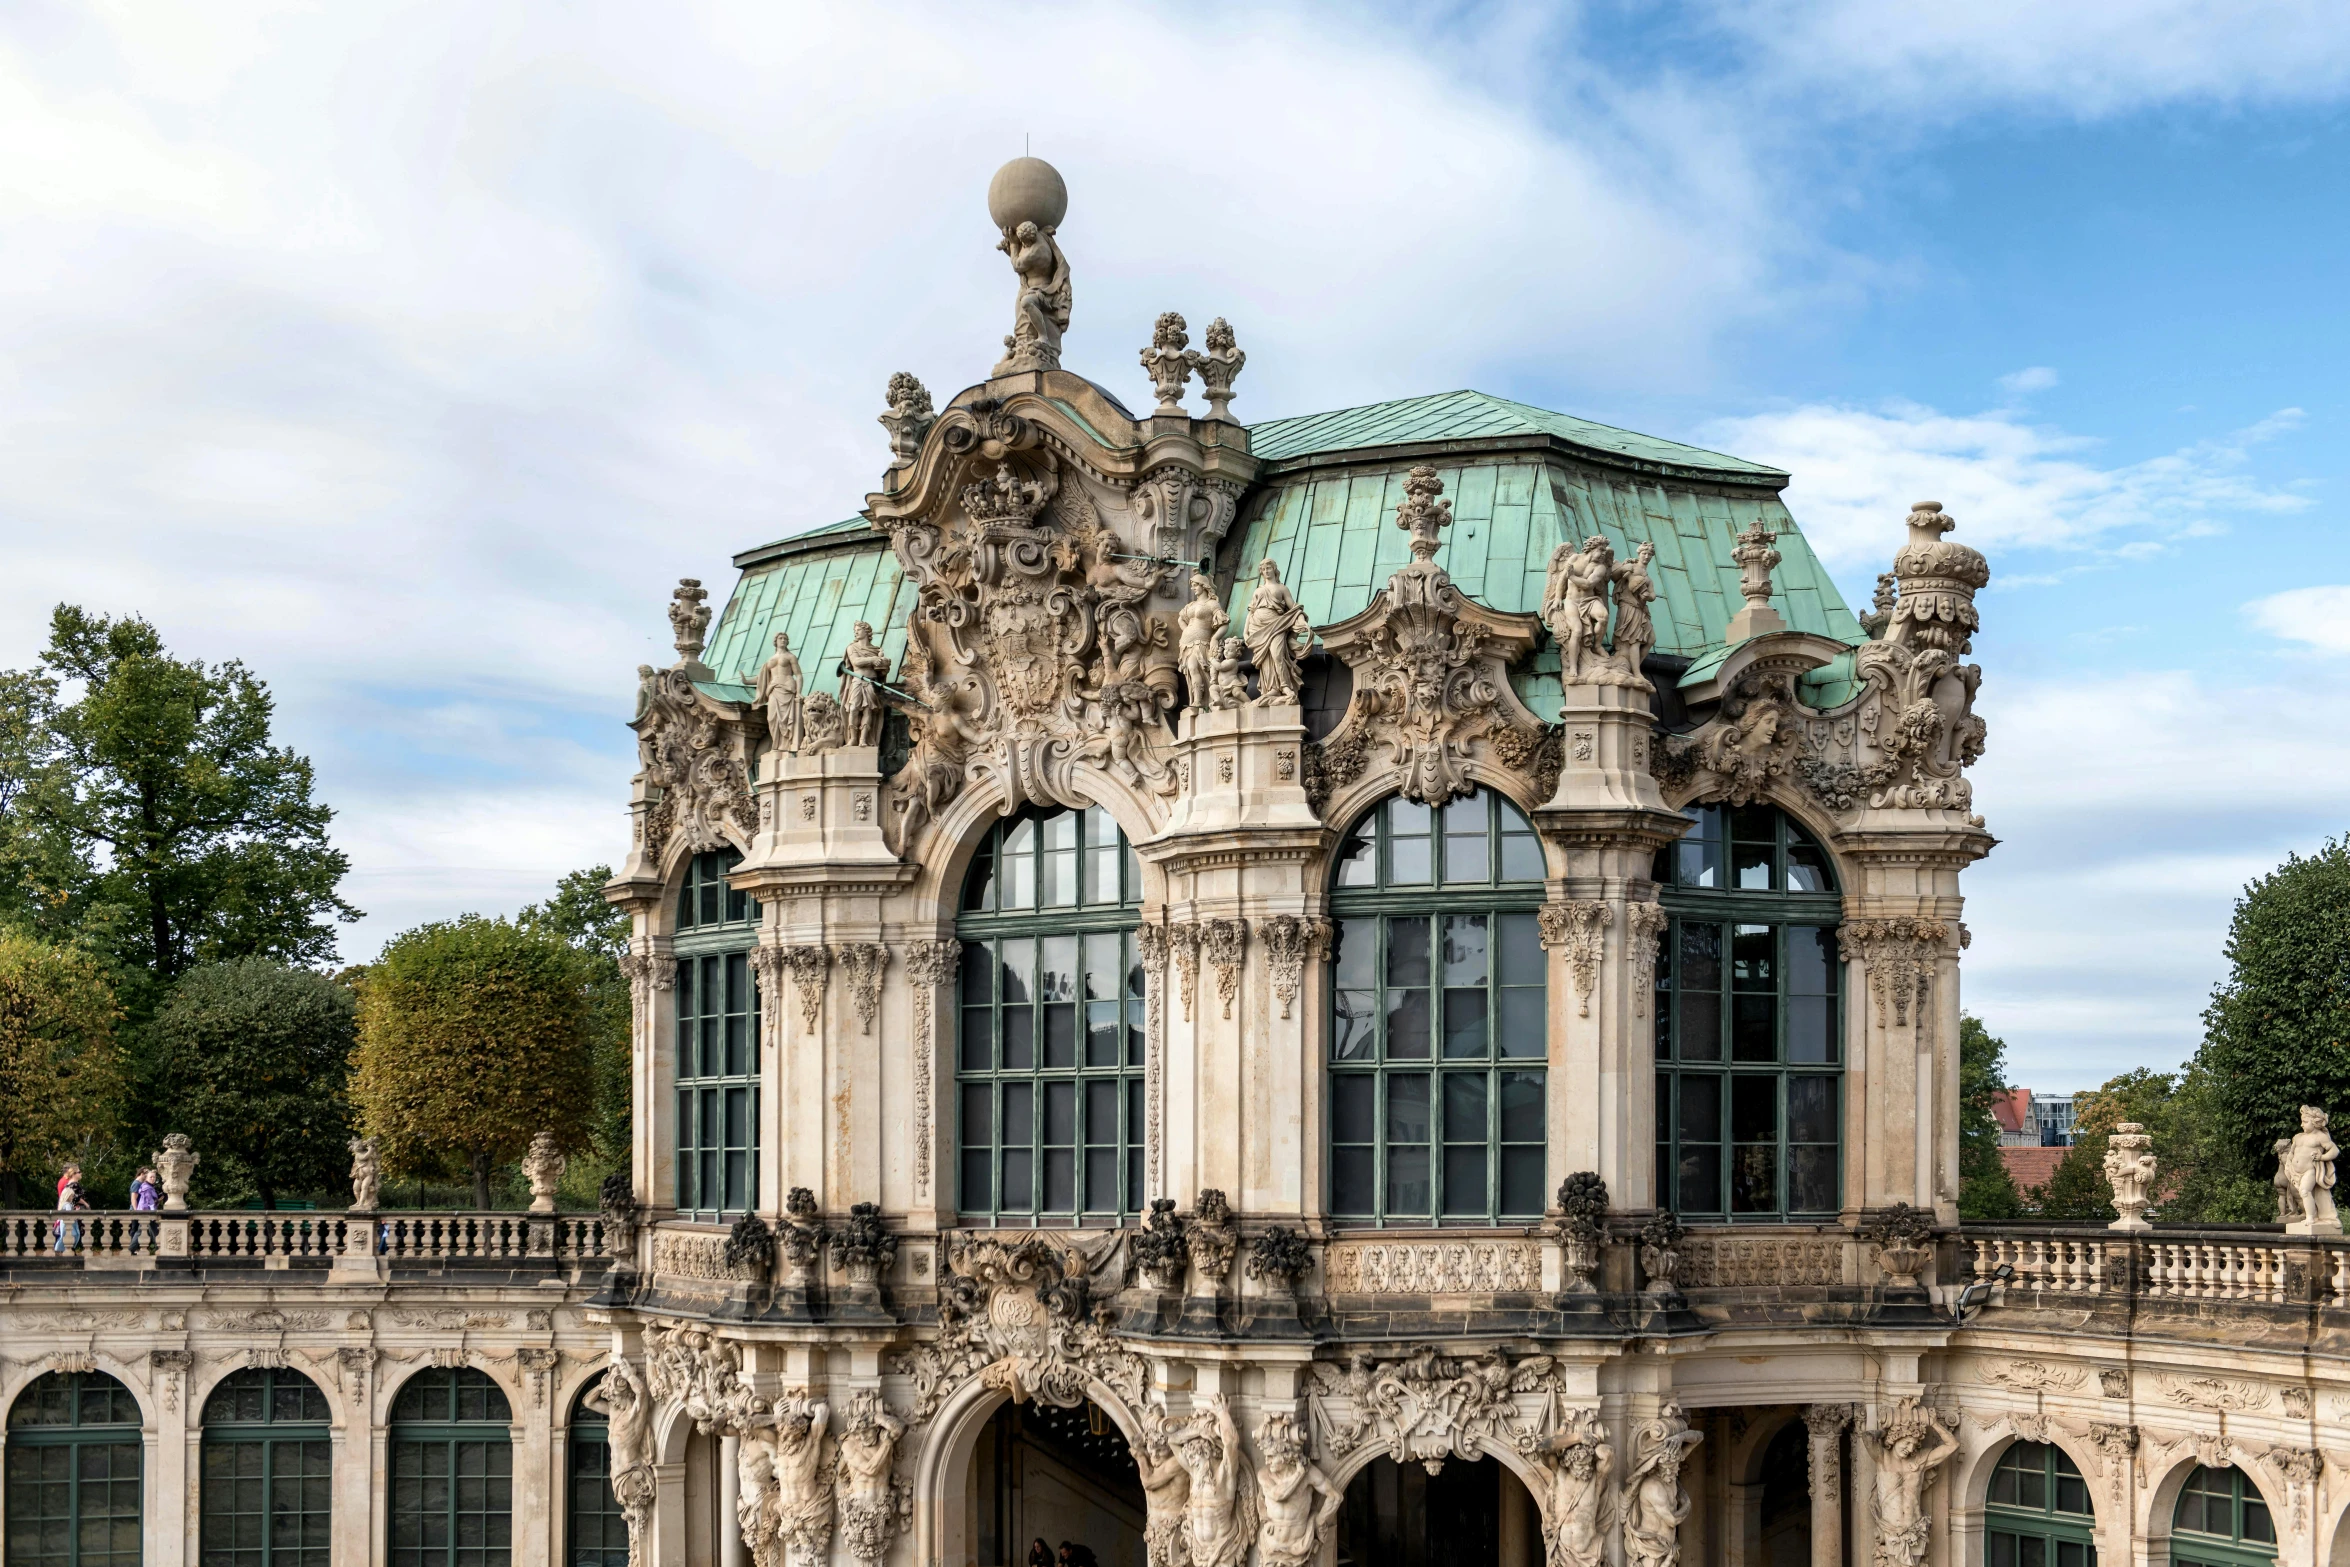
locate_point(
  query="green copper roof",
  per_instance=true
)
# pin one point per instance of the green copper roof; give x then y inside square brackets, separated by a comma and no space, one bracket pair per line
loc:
[815,589]
[1470,416]
[1332,533]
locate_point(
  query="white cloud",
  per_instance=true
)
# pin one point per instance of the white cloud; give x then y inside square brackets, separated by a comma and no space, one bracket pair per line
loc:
[1926,62]
[2317,616]
[2007,481]
[2032,378]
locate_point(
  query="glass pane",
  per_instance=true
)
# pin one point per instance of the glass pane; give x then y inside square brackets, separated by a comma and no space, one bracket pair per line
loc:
[1700,1180]
[1811,1109]
[978,1039]
[2072,1493]
[1105,967]
[1017,970]
[1407,1108]
[1407,862]
[1522,1023]
[1465,1111]
[1464,1024]
[1521,857]
[1351,1185]
[1753,957]
[1357,864]
[1750,866]
[1466,859]
[1353,1025]
[1407,817]
[979,881]
[1700,1021]
[1521,1107]
[1754,1179]
[2257,1524]
[978,973]
[1056,968]
[1701,1109]
[1019,1039]
[1754,1110]
[1353,955]
[1807,865]
[1104,1032]
[1811,1180]
[1407,1182]
[1754,1028]
[1056,876]
[1407,1025]
[1464,949]
[1464,1181]
[1811,1030]
[1060,1114]
[1407,951]
[1518,944]
[1060,1036]
[1700,967]
[1351,1114]
[1811,960]
[1522,1185]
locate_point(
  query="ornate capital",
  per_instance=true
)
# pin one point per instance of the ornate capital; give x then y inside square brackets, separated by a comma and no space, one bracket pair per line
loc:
[1289,940]
[861,964]
[1899,955]
[1226,940]
[1580,928]
[807,965]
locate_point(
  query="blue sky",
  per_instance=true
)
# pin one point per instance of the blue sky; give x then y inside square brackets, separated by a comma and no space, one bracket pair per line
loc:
[411,352]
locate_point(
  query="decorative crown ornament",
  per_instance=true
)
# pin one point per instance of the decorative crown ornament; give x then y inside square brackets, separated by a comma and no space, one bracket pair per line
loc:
[1006,500]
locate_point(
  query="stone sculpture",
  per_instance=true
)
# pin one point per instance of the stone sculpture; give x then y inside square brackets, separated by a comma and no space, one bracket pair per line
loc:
[1027,199]
[1166,1491]
[176,1163]
[1755,558]
[1199,625]
[366,1175]
[1278,637]
[1635,633]
[803,1500]
[622,1400]
[1216,1529]
[1170,363]
[2305,1173]
[1910,1447]
[778,694]
[863,665]
[689,617]
[1289,1533]
[542,1166]
[908,418]
[1230,689]
[2129,1169]
[1575,607]
[1219,367]
[754,1493]
[1574,1497]
[868,1446]
[1655,1501]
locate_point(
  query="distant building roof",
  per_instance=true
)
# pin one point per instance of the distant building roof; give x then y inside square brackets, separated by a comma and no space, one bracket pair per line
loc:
[2012,1109]
[2030,1167]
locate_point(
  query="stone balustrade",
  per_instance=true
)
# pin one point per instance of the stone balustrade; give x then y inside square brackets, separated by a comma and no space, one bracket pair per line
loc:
[285,1238]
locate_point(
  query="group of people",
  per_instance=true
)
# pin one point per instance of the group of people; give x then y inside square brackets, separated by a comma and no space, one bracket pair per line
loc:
[1071,1555]
[73,1197]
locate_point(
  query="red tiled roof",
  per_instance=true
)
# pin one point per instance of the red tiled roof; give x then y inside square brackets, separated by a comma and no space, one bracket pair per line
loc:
[2012,1109]
[2031,1167]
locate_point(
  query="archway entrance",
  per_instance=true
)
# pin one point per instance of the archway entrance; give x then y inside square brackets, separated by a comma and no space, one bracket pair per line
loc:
[1464,1515]
[1056,1475]
[1786,1497]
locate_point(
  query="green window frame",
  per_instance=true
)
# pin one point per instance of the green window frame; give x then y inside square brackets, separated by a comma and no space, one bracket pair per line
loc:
[452,1487]
[1049,1039]
[267,1493]
[2038,1513]
[75,1472]
[717,1005]
[1439,1017]
[2221,1520]
[1749,1013]
[595,1532]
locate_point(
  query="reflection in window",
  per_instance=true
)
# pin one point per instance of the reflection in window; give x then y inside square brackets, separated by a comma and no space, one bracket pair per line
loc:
[2038,1512]
[717,1063]
[1438,1028]
[2221,1521]
[1049,1048]
[1749,1019]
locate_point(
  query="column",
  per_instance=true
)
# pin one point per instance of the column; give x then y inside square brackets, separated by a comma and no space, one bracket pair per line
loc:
[1827,1423]
[731,1551]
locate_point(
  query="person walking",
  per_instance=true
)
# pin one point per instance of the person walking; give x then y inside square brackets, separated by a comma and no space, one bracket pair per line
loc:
[70,1200]
[146,1197]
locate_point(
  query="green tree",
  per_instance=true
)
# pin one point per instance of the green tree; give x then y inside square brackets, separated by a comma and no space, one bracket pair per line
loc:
[579,914]
[2205,1177]
[60,1071]
[2276,1035]
[1985,1188]
[2078,1189]
[150,816]
[473,1037]
[254,1059]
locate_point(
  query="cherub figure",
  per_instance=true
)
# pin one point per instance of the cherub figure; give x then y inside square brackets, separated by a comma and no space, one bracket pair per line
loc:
[1574,605]
[2309,1158]
[1230,686]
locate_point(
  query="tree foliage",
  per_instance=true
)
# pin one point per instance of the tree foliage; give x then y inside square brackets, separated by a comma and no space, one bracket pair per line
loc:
[579,914]
[253,1060]
[2078,1189]
[474,1035]
[2277,1032]
[1985,1188]
[149,816]
[60,1070]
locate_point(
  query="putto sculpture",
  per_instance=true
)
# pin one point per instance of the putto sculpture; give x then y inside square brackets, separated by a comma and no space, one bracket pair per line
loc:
[2305,1177]
[2129,1170]
[366,1175]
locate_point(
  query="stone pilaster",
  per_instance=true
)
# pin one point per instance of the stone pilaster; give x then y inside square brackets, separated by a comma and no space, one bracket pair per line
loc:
[1826,1424]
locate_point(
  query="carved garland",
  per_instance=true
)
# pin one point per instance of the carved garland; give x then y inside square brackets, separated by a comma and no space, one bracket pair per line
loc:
[1580,928]
[1151,944]
[1226,941]
[929,964]
[1289,940]
[1186,938]
[807,965]
[1899,955]
[1644,927]
[861,964]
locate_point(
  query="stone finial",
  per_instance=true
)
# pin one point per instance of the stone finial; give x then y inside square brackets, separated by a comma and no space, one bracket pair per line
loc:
[176,1164]
[1421,514]
[1219,367]
[543,1168]
[2129,1170]
[907,419]
[1937,579]
[1170,363]
[689,617]
[1755,558]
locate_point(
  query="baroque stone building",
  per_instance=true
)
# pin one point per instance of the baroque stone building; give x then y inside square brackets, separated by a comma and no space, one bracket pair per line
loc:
[1376,987]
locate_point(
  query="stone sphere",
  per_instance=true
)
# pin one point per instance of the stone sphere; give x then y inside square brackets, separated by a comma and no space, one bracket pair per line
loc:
[1027,190]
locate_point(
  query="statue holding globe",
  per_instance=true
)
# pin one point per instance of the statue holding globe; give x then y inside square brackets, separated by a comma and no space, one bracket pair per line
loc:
[1027,200]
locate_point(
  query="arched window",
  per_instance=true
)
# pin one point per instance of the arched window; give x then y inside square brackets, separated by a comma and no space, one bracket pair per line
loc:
[1749,1020]
[452,1472]
[268,1471]
[595,1533]
[2221,1521]
[73,1473]
[1049,1045]
[2038,1513]
[1438,1018]
[717,1042]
